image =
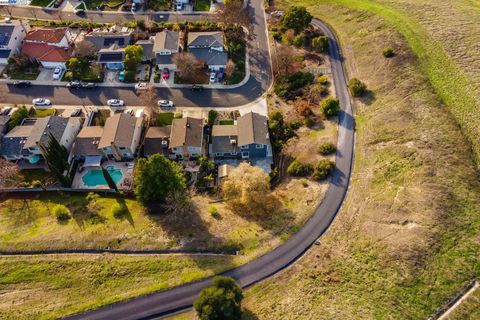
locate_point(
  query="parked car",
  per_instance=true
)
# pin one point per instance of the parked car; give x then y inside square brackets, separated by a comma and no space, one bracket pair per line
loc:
[89,85]
[121,76]
[141,86]
[41,102]
[196,87]
[165,73]
[22,83]
[57,73]
[213,77]
[5,111]
[134,6]
[115,103]
[128,111]
[165,103]
[75,112]
[75,84]
[80,12]
[179,6]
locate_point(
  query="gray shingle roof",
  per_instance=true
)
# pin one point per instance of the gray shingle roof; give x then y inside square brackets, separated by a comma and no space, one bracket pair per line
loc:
[164,59]
[205,39]
[147,46]
[104,40]
[119,130]
[154,138]
[186,132]
[167,40]
[86,142]
[252,128]
[210,57]
[43,128]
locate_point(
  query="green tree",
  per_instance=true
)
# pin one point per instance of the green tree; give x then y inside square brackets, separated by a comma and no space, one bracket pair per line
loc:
[298,169]
[388,52]
[133,56]
[17,117]
[296,18]
[75,65]
[320,43]
[300,40]
[330,107]
[327,148]
[357,87]
[156,178]
[205,172]
[322,169]
[56,157]
[108,178]
[220,301]
[212,116]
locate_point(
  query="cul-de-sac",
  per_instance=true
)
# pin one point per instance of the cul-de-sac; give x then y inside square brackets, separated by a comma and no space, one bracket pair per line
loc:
[239,159]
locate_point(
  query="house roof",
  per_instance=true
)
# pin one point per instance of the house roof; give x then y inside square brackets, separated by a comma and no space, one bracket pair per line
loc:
[45,52]
[87,140]
[44,127]
[206,39]
[166,40]
[224,130]
[147,46]
[222,137]
[46,35]
[119,130]
[13,142]
[164,59]
[154,138]
[252,128]
[110,57]
[5,53]
[6,30]
[210,57]
[186,132]
[107,39]
[3,122]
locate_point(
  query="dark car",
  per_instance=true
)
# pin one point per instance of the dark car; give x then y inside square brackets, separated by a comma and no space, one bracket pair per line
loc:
[22,84]
[80,12]
[74,84]
[196,87]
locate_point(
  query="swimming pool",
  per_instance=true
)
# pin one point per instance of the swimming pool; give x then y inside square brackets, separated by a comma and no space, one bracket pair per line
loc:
[94,177]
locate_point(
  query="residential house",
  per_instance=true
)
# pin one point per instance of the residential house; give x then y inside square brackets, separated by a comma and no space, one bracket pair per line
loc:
[49,47]
[121,136]
[24,141]
[245,139]
[86,143]
[166,44]
[12,33]
[147,46]
[209,48]
[186,138]
[111,44]
[156,141]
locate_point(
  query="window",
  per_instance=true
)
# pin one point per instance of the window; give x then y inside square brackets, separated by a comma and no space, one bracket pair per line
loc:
[259,146]
[219,154]
[244,147]
[122,148]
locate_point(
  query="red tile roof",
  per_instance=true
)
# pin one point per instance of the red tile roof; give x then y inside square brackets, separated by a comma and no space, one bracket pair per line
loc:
[46,35]
[45,52]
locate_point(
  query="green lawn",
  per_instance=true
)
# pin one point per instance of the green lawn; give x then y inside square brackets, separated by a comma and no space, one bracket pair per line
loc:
[29,74]
[202,5]
[160,5]
[51,287]
[93,4]
[226,122]
[40,113]
[40,3]
[165,119]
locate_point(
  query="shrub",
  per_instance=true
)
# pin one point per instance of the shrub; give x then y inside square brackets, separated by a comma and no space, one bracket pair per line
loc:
[322,80]
[288,86]
[357,87]
[296,168]
[322,169]
[327,148]
[118,210]
[61,212]
[330,107]
[17,117]
[68,75]
[320,44]
[213,211]
[129,76]
[277,35]
[308,122]
[36,184]
[388,52]
[299,40]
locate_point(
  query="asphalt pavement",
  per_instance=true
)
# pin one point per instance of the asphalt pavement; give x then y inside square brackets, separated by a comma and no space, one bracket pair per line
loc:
[170,301]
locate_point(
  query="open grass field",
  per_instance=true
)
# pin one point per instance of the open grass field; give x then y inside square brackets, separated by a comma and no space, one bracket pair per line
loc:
[53,286]
[407,238]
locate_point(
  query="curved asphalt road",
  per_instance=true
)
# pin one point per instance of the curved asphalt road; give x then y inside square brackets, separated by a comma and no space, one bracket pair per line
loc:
[259,60]
[167,302]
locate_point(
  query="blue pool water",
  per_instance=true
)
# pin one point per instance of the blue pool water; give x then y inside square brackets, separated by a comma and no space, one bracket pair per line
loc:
[95,177]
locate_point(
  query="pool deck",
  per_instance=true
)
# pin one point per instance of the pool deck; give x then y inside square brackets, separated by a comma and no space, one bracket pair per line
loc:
[123,183]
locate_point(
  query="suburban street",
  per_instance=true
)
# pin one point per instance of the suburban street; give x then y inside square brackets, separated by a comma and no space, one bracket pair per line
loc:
[259,60]
[179,298]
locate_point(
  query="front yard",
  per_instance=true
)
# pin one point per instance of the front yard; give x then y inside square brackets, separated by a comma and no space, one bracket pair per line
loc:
[159,5]
[202,5]
[30,73]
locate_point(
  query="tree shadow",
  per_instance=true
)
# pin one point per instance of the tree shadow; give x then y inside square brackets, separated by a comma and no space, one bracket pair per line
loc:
[248,314]
[126,214]
[368,98]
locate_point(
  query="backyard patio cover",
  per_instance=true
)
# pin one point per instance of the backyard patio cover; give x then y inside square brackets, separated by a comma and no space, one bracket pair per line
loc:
[93,161]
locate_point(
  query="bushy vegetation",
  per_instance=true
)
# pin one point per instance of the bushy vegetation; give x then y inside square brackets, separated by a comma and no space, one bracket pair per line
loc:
[17,117]
[118,210]
[326,149]
[357,87]
[61,213]
[280,131]
[322,169]
[220,301]
[289,86]
[212,116]
[299,169]
[320,44]
[330,107]
[388,52]
[296,18]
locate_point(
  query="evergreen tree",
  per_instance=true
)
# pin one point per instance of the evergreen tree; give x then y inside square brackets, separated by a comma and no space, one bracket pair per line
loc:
[56,157]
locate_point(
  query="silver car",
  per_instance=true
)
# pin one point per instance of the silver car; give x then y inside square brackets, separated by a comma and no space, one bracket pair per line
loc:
[115,103]
[41,102]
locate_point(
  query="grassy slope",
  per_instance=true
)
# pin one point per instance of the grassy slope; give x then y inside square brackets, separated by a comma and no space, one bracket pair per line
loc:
[53,286]
[407,238]
[469,309]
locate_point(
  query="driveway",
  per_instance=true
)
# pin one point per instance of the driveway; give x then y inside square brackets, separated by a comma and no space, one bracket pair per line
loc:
[45,75]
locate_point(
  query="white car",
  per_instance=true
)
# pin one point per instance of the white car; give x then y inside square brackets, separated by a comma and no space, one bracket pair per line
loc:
[115,103]
[128,111]
[213,77]
[40,102]
[165,103]
[57,73]
[141,86]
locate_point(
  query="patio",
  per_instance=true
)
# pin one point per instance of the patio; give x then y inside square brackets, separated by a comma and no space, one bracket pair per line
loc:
[125,180]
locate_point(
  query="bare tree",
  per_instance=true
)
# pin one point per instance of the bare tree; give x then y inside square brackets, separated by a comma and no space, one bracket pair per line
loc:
[229,68]
[149,99]
[9,174]
[285,59]
[85,48]
[234,12]
[189,68]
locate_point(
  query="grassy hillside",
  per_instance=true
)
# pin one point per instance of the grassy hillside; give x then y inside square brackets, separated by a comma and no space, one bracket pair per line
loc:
[408,236]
